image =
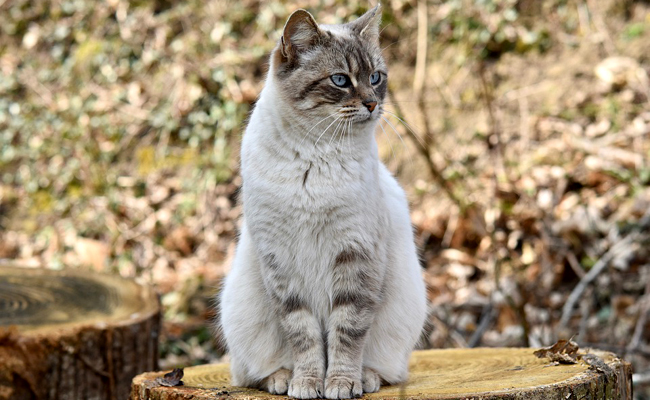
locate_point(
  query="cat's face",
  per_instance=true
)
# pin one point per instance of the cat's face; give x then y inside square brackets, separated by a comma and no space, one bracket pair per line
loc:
[332,70]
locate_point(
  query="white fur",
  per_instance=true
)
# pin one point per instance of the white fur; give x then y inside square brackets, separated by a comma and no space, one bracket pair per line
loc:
[349,197]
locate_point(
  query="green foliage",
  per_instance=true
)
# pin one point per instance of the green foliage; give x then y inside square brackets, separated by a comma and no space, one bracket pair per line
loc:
[86,87]
[634,30]
[488,28]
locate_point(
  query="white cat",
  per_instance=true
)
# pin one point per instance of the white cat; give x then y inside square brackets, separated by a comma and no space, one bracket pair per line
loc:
[325,297]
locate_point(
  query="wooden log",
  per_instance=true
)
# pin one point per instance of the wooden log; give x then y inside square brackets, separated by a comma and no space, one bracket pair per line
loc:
[74,335]
[484,373]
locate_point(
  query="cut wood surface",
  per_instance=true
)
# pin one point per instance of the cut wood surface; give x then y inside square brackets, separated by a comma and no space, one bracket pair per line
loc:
[73,334]
[484,373]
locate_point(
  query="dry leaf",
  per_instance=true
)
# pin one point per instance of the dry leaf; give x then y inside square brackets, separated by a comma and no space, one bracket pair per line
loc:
[171,378]
[597,364]
[563,351]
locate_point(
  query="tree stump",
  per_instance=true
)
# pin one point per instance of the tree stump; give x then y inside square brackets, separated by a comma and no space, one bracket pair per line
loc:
[74,335]
[484,373]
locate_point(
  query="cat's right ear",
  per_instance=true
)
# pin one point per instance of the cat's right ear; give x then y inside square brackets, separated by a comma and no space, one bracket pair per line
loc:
[300,32]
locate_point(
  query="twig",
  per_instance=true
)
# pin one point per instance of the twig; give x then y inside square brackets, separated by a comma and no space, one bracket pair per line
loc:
[643,317]
[443,88]
[446,186]
[28,78]
[518,309]
[600,26]
[600,265]
[451,334]
[620,156]
[489,314]
[583,18]
[452,224]
[585,310]
[419,79]
[421,55]
[526,91]
[575,265]
[524,116]
[488,98]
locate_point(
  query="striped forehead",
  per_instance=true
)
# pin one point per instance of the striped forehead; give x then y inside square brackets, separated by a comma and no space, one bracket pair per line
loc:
[352,53]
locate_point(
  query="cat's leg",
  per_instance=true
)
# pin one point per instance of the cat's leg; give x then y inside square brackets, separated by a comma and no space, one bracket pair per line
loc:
[399,319]
[306,342]
[301,330]
[250,325]
[356,291]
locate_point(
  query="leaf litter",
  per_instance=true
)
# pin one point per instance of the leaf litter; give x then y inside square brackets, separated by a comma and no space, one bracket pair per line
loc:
[566,352]
[563,352]
[172,378]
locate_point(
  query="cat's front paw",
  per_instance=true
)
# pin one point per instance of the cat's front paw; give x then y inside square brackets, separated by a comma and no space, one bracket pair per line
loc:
[278,382]
[341,387]
[370,380]
[306,387]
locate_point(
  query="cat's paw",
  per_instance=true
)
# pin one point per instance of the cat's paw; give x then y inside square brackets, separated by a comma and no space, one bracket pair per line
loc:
[370,380]
[306,387]
[341,387]
[278,382]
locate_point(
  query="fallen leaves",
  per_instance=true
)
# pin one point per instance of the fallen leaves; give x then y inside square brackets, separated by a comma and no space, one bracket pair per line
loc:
[563,352]
[172,378]
[597,364]
[566,352]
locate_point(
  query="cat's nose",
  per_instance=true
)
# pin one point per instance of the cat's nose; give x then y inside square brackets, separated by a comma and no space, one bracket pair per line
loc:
[370,105]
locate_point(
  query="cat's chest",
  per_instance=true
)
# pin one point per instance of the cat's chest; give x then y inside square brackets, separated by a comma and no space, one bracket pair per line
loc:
[315,185]
[313,201]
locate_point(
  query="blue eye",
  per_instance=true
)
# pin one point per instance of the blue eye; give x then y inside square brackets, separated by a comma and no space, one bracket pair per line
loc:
[341,80]
[375,78]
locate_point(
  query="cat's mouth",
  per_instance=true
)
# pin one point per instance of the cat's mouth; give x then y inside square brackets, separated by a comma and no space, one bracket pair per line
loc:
[360,116]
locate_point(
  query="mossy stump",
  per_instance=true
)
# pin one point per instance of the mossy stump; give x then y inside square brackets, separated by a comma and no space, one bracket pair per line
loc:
[485,373]
[74,335]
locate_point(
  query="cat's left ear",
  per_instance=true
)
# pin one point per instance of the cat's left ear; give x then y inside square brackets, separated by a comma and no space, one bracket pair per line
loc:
[300,32]
[367,25]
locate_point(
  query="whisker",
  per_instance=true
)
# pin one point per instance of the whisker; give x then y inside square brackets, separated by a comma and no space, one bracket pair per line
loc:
[410,101]
[387,46]
[336,130]
[325,130]
[388,139]
[384,28]
[312,128]
[338,145]
[417,136]
[399,136]
[350,135]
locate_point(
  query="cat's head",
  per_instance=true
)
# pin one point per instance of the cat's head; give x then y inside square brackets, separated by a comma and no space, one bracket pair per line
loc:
[335,70]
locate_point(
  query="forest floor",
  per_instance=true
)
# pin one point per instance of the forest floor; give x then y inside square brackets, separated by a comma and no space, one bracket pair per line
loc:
[526,158]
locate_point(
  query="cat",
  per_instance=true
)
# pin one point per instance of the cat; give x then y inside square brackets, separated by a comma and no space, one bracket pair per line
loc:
[325,297]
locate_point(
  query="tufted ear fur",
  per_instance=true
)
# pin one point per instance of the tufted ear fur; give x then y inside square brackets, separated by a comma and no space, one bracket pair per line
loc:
[300,32]
[367,25]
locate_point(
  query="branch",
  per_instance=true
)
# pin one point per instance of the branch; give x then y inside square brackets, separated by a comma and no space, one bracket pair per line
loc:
[446,186]
[599,267]
[421,56]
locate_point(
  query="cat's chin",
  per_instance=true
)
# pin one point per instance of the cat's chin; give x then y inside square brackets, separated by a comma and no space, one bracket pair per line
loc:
[364,119]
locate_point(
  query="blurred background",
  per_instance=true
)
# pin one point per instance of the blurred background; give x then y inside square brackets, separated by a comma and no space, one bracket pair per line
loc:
[519,128]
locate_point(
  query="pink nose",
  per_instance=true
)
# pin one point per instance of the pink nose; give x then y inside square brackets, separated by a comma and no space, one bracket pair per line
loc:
[370,105]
